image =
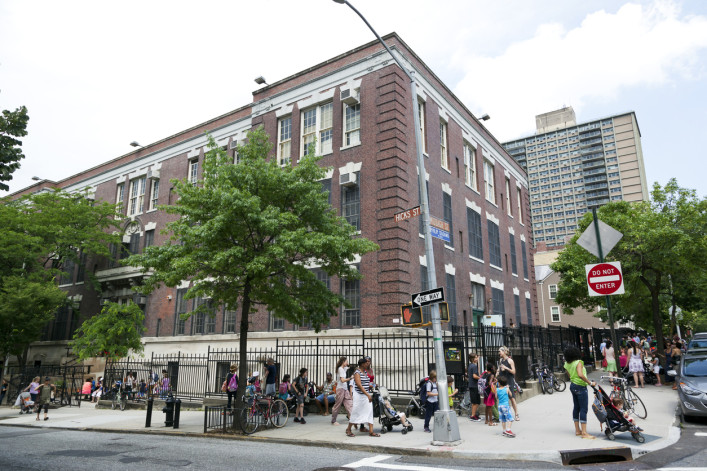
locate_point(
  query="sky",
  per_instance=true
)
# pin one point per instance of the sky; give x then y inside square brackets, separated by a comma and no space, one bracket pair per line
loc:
[97,75]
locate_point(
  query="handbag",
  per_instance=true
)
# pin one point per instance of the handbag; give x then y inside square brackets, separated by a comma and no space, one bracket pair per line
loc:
[603,363]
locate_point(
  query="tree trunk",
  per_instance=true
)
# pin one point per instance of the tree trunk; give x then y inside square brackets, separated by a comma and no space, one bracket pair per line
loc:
[243,348]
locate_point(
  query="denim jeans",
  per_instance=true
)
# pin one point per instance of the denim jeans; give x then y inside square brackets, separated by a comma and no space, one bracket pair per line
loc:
[430,409]
[580,398]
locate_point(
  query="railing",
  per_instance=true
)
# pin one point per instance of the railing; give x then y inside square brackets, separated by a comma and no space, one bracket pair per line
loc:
[219,418]
[68,380]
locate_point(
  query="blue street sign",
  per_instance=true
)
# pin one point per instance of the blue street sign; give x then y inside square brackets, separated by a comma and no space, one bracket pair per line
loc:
[439,234]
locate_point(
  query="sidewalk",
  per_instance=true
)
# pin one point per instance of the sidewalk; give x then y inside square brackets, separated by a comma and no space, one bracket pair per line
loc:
[543,433]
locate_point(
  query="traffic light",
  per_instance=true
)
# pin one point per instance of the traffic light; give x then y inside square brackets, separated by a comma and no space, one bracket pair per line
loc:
[411,316]
[443,312]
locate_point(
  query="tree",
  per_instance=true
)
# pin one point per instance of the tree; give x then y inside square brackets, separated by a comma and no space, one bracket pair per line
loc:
[246,234]
[113,333]
[39,235]
[13,124]
[663,255]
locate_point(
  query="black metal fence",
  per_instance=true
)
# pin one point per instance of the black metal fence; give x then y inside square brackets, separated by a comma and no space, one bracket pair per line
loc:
[399,359]
[68,381]
[219,418]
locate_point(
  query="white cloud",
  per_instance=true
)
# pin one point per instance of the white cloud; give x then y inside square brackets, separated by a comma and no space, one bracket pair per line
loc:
[638,45]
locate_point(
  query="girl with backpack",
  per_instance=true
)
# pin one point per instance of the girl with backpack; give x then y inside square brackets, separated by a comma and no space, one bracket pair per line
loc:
[490,393]
[283,392]
[231,385]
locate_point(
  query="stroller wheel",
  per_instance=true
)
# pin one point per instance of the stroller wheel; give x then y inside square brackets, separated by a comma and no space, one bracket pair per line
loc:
[404,431]
[389,427]
[384,429]
[611,436]
[409,428]
[639,438]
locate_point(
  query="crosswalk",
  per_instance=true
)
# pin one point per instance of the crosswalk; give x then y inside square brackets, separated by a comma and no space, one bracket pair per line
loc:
[375,462]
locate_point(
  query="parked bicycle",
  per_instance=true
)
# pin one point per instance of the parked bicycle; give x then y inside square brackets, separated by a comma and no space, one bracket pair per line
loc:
[119,397]
[549,381]
[621,388]
[462,405]
[261,410]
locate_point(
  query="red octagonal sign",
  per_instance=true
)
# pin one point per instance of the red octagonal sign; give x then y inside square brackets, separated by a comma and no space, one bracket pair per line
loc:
[604,279]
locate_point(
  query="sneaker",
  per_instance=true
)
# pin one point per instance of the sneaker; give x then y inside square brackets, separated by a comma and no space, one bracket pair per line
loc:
[509,434]
[428,430]
[303,421]
[297,419]
[475,418]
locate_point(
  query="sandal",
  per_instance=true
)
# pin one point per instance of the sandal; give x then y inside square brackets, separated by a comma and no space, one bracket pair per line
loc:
[350,434]
[374,434]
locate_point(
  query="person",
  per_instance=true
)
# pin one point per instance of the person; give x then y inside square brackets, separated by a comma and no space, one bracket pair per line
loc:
[32,388]
[44,392]
[164,385]
[326,397]
[270,377]
[623,358]
[362,410]
[3,390]
[230,390]
[490,393]
[283,392]
[98,392]
[300,388]
[610,359]
[655,361]
[129,382]
[343,394]
[507,369]
[371,377]
[86,389]
[578,387]
[618,402]
[472,372]
[432,402]
[504,409]
[635,365]
[675,357]
[392,411]
[451,391]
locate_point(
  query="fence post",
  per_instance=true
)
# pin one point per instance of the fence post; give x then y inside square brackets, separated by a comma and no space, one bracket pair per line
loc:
[483,342]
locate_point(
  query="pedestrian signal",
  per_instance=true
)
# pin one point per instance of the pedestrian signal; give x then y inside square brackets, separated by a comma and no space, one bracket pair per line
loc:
[412,316]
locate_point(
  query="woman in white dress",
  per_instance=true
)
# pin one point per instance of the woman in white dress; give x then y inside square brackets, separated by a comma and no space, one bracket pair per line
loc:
[362,410]
[635,364]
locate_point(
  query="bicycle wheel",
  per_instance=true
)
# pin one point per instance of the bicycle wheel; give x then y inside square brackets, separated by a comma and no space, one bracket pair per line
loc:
[123,402]
[559,384]
[547,384]
[250,420]
[279,413]
[113,404]
[636,405]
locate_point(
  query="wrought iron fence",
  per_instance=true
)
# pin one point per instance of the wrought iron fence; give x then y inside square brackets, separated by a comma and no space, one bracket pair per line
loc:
[219,418]
[68,380]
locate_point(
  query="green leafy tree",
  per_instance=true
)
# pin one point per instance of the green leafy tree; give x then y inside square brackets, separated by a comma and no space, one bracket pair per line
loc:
[663,255]
[13,124]
[113,333]
[246,234]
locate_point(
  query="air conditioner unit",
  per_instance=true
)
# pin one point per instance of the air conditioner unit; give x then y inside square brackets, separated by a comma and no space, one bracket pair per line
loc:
[234,144]
[347,179]
[350,96]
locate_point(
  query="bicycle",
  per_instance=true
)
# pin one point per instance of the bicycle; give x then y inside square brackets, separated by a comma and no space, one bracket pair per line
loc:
[120,399]
[463,406]
[632,403]
[261,410]
[544,377]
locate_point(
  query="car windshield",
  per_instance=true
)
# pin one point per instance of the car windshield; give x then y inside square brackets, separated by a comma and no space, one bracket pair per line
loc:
[695,367]
[697,344]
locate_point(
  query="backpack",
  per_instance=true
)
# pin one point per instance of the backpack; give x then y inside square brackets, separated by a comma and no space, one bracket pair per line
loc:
[233,383]
[482,385]
[283,388]
[422,386]
[599,410]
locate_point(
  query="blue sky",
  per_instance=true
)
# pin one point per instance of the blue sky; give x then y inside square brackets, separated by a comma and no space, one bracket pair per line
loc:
[96,76]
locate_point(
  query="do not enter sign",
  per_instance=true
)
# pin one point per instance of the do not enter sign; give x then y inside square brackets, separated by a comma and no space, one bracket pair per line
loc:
[604,279]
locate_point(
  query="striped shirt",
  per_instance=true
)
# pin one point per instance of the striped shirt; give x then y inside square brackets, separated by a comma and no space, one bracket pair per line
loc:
[365,382]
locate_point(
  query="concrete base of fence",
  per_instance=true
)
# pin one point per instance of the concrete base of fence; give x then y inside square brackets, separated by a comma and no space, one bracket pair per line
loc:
[157,405]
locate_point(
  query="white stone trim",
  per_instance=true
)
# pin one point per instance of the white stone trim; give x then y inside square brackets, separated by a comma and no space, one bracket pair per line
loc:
[476,278]
[120,180]
[473,206]
[355,260]
[450,270]
[506,173]
[329,173]
[138,173]
[527,295]
[350,167]
[194,153]
[522,237]
[284,110]
[511,230]
[183,284]
[496,284]
[516,291]
[491,217]
[446,188]
[150,226]
[423,260]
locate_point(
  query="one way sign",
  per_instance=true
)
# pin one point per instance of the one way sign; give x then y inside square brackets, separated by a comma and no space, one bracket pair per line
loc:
[428,297]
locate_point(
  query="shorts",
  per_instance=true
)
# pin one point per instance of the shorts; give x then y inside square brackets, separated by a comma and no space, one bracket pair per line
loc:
[331,397]
[300,399]
[46,407]
[504,414]
[474,396]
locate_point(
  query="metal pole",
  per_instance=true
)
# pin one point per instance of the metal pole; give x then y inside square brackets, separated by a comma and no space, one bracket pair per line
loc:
[446,429]
[608,298]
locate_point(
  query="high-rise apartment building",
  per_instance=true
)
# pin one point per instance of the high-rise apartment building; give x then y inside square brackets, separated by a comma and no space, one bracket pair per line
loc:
[572,167]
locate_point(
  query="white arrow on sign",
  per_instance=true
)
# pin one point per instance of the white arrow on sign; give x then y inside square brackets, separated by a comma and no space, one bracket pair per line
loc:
[428,297]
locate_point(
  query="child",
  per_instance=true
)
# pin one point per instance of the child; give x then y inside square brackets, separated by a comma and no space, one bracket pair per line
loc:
[392,411]
[619,404]
[300,388]
[451,391]
[284,388]
[504,412]
[432,404]
[143,389]
[45,393]
[490,393]
[656,369]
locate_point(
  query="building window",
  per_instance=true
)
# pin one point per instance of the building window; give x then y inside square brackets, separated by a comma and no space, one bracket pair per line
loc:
[352,124]
[447,206]
[181,308]
[350,290]
[154,193]
[553,291]
[514,262]
[470,166]
[323,277]
[193,171]
[119,195]
[276,323]
[555,313]
[149,238]
[499,308]
[67,276]
[489,182]
[198,323]
[516,299]
[284,139]
[451,297]
[81,273]
[478,297]
[528,311]
[351,204]
[443,144]
[326,188]
[494,244]
[134,245]
[229,322]
[476,248]
[421,115]
[317,126]
[520,207]
[509,207]
[525,259]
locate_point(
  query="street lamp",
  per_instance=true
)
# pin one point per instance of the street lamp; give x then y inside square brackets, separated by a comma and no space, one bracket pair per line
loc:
[446,429]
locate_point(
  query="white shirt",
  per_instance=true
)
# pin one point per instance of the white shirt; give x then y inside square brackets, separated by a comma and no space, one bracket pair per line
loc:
[341,373]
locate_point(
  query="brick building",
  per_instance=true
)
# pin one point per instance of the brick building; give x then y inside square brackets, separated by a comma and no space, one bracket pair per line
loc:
[358,108]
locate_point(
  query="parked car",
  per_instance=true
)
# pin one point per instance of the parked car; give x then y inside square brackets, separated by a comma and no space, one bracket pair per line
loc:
[692,389]
[700,335]
[697,345]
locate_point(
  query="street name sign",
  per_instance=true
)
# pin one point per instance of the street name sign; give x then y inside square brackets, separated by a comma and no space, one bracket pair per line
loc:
[410,213]
[439,224]
[425,298]
[604,279]
[439,229]
[609,238]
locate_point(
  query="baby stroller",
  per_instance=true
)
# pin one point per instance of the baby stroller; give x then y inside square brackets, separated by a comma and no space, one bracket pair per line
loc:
[386,413]
[24,401]
[612,417]
[416,407]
